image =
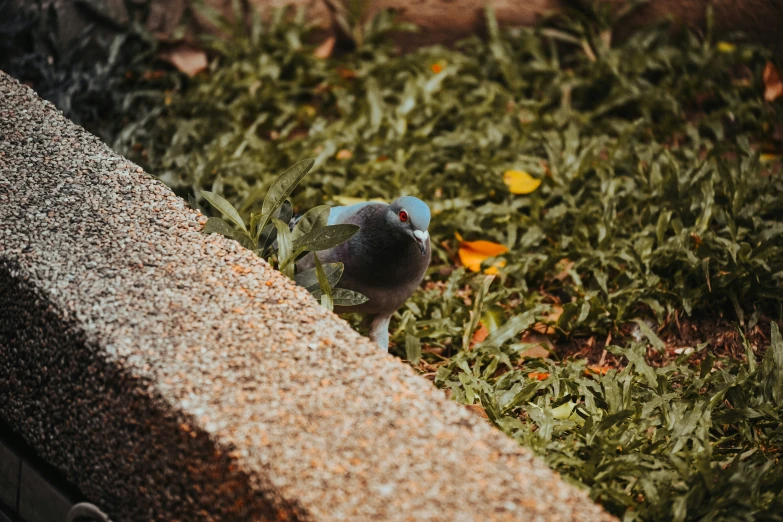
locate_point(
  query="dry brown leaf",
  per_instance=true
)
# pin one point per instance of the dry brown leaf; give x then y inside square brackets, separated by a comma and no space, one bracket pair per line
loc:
[553,317]
[536,351]
[565,265]
[186,58]
[773,87]
[324,50]
[477,410]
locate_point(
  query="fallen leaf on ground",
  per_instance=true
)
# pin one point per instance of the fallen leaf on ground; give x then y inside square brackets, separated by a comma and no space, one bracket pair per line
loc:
[187,59]
[564,270]
[479,335]
[520,182]
[473,253]
[477,410]
[726,47]
[540,345]
[553,317]
[324,50]
[773,87]
[536,351]
[346,74]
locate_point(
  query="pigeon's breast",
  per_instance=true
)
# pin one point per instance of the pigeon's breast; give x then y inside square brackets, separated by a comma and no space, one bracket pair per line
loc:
[387,274]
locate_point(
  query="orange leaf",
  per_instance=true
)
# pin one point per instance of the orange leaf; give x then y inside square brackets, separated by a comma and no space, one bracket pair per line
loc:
[479,335]
[773,86]
[436,68]
[324,50]
[473,253]
[344,154]
[478,410]
[538,376]
[346,74]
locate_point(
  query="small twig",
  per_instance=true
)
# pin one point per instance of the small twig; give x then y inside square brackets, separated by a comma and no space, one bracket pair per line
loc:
[603,352]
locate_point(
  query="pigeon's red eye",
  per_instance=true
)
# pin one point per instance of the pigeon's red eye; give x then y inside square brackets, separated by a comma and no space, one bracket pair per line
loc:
[403,216]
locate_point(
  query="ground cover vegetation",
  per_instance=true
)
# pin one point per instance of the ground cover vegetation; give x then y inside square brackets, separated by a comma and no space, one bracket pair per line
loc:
[607,232]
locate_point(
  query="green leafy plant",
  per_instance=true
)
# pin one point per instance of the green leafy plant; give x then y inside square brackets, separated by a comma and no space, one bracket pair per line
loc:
[646,239]
[675,442]
[269,236]
[96,79]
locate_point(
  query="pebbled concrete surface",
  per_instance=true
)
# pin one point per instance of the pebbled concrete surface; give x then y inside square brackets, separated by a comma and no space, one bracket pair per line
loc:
[175,376]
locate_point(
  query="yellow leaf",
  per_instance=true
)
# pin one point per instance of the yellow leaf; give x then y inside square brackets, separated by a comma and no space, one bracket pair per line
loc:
[493,270]
[520,182]
[473,253]
[726,47]
[769,158]
[565,411]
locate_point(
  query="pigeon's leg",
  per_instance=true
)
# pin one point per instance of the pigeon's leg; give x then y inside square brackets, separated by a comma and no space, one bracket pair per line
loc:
[379,331]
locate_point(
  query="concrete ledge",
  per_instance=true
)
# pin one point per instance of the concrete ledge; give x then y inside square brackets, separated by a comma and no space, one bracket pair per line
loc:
[175,376]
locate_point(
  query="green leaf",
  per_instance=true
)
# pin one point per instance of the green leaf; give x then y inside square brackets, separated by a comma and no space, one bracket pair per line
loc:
[475,315]
[325,237]
[412,344]
[309,278]
[194,205]
[323,284]
[225,207]
[773,364]
[345,297]
[511,328]
[282,187]
[215,225]
[651,336]
[285,251]
[313,219]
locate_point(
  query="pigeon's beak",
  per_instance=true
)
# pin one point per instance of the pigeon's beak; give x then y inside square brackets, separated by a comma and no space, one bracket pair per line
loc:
[421,237]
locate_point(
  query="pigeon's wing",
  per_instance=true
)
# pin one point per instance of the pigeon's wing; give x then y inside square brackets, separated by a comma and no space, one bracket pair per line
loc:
[338,215]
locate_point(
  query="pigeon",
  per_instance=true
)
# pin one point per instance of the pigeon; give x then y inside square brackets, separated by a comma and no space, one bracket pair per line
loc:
[385,260]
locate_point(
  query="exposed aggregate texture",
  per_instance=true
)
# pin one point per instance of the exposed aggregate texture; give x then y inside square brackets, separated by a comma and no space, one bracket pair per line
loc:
[175,376]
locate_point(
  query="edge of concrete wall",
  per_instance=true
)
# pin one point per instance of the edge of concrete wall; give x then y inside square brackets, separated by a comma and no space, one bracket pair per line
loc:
[171,375]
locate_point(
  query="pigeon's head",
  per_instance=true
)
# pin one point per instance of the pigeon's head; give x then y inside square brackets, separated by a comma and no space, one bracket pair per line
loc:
[411,216]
